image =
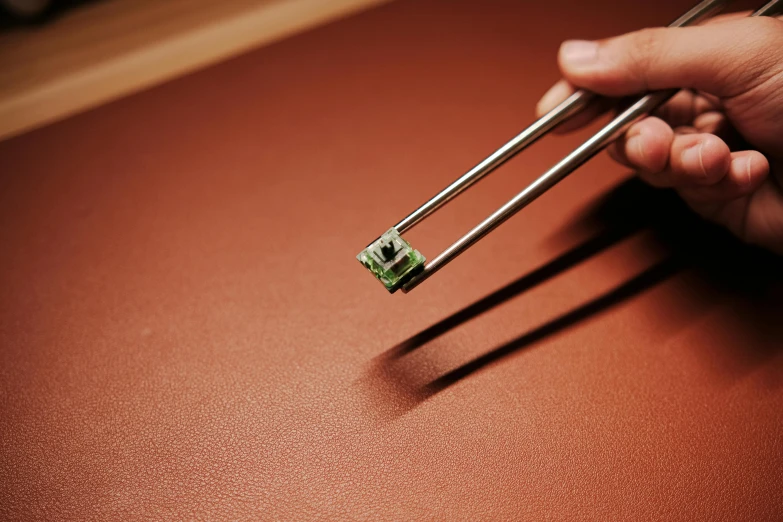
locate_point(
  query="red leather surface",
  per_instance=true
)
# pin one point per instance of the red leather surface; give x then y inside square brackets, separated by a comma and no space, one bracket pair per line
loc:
[186,333]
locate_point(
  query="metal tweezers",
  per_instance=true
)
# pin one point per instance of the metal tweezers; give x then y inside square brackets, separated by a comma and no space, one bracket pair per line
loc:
[575,103]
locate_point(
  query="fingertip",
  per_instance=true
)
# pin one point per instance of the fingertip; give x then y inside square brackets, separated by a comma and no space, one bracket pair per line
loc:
[678,111]
[712,122]
[705,159]
[748,170]
[716,158]
[553,97]
[616,151]
[648,143]
[577,54]
[558,93]
[580,64]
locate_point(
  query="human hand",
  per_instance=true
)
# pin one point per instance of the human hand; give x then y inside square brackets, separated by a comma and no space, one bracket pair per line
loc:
[719,143]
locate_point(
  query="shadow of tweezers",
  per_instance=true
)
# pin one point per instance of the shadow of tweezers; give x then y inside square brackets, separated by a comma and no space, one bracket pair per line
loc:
[638,284]
[564,262]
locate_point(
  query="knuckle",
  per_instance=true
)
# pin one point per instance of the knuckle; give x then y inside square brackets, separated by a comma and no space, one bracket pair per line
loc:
[762,42]
[645,48]
[645,41]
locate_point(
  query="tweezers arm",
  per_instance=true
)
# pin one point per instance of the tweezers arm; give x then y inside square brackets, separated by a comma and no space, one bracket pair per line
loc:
[566,166]
[572,105]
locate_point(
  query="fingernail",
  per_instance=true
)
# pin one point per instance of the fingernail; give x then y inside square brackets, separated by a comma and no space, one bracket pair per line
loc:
[635,143]
[692,156]
[579,52]
[556,94]
[747,179]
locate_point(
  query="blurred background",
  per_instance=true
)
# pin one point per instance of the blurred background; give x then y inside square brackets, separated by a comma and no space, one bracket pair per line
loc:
[16,12]
[59,57]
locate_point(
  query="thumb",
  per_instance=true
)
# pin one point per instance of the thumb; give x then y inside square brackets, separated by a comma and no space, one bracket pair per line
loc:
[725,59]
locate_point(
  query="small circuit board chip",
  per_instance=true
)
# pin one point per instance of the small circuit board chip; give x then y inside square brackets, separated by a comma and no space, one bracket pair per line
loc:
[391,260]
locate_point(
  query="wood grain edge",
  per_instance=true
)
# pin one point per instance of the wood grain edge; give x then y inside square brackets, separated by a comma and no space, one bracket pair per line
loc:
[167,59]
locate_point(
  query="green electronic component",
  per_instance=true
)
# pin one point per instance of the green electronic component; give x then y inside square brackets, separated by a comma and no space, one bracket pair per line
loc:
[391,259]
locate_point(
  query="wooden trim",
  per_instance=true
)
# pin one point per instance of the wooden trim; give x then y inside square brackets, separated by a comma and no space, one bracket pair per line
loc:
[27,102]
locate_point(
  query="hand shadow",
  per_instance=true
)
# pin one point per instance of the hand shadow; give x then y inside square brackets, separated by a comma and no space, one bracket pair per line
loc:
[716,263]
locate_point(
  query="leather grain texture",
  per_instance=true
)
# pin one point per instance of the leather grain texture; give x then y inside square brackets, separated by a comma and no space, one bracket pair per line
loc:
[185,332]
